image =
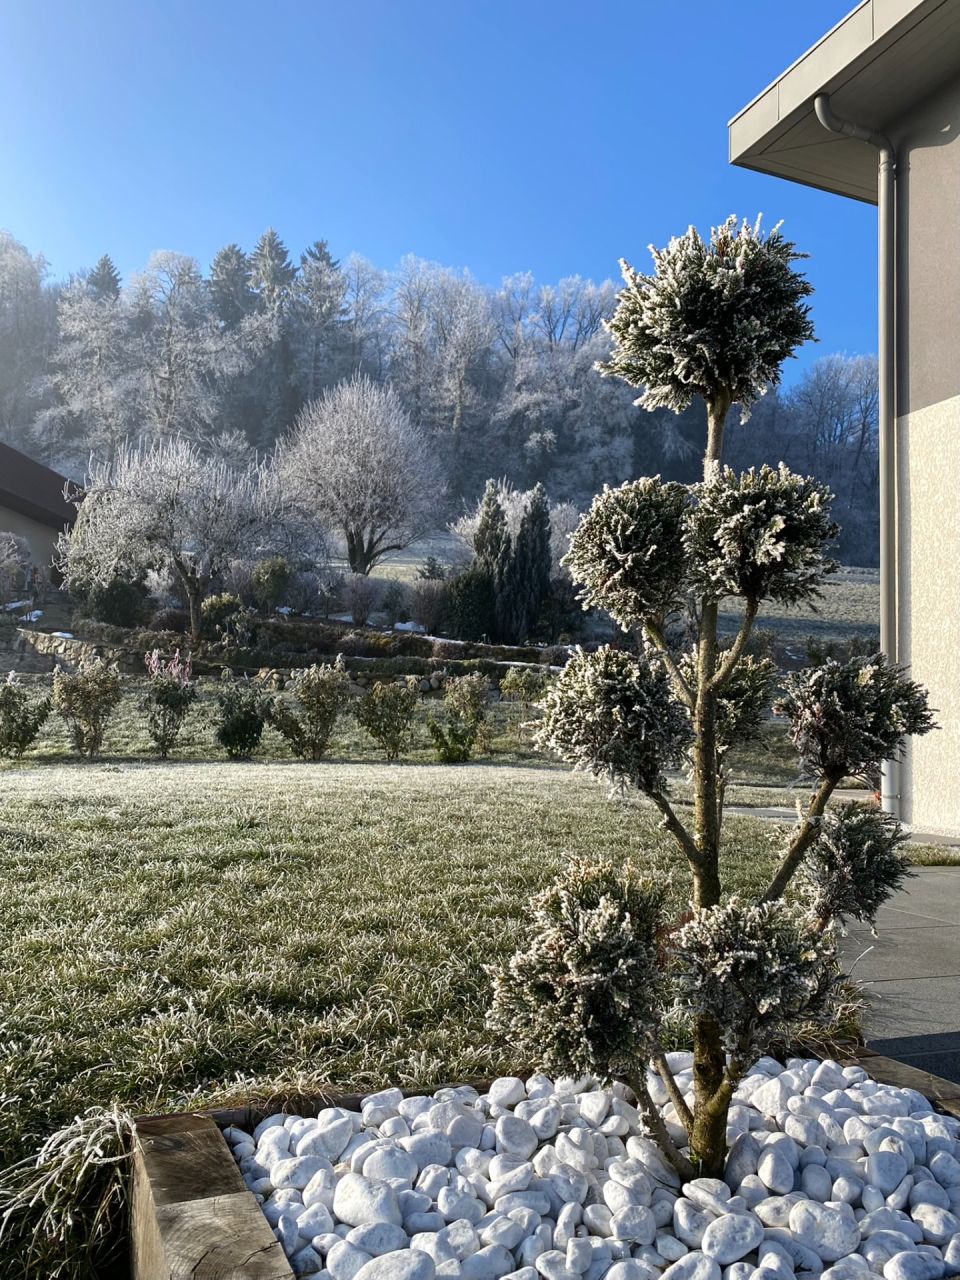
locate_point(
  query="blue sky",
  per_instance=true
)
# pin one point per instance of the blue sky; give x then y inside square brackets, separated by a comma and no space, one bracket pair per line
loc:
[500,135]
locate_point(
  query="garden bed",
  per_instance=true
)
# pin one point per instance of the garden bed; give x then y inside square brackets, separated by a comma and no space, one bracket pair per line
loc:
[194,1215]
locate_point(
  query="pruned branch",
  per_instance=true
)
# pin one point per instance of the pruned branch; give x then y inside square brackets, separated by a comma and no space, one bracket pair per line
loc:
[659,1060]
[654,1121]
[654,632]
[735,652]
[676,828]
[803,838]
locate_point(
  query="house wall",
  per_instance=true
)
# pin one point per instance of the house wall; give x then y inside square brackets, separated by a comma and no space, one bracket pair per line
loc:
[928,445]
[41,537]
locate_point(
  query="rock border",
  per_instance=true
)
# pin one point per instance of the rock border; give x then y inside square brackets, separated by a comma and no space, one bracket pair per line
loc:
[192,1217]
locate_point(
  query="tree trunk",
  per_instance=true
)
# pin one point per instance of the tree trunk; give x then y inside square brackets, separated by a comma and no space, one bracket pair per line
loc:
[708,1142]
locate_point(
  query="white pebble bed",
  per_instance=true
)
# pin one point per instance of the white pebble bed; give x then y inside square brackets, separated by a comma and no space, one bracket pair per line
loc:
[828,1174]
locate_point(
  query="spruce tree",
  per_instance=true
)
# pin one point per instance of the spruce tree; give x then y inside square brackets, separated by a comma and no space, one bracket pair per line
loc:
[230,285]
[272,273]
[104,280]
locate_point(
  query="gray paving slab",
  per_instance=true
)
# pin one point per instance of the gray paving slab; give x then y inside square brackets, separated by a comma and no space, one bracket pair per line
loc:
[911,973]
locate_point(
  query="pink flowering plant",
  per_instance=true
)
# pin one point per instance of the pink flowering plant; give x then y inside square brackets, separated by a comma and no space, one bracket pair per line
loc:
[171,692]
[602,971]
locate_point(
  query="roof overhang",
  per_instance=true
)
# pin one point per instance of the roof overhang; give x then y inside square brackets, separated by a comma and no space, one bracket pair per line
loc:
[885,56]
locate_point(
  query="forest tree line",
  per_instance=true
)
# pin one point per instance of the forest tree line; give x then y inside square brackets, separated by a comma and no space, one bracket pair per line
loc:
[501,380]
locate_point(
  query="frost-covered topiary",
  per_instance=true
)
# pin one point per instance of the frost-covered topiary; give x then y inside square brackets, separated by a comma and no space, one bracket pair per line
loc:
[855,864]
[585,991]
[761,535]
[627,555]
[716,320]
[717,317]
[848,717]
[754,969]
[612,714]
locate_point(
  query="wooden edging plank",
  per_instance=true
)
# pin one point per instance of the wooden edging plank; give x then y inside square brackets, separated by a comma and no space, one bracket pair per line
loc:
[192,1217]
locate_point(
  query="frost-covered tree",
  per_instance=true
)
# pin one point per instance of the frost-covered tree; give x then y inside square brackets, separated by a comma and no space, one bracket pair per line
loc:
[104,280]
[716,319]
[230,289]
[27,333]
[171,508]
[356,465]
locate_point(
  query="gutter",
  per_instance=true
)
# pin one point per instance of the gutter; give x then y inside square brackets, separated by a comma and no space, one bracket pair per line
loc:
[886,294]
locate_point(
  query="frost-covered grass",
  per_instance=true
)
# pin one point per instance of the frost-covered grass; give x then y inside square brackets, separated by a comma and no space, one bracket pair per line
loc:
[849,607]
[185,932]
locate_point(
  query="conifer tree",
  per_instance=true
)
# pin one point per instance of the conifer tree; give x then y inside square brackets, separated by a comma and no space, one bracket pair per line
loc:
[230,285]
[272,273]
[493,553]
[104,280]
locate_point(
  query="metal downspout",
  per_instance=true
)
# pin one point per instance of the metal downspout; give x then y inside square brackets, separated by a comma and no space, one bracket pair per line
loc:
[886,194]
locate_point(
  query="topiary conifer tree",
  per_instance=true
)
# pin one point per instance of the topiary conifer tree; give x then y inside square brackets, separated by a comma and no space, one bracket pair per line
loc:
[716,319]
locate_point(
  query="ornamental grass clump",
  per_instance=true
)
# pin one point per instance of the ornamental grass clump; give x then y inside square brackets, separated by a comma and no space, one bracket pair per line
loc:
[716,320]
[21,718]
[387,712]
[322,694]
[86,699]
[171,692]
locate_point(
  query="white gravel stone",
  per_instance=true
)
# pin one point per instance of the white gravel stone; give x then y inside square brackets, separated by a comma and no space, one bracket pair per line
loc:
[404,1264]
[732,1237]
[693,1266]
[358,1200]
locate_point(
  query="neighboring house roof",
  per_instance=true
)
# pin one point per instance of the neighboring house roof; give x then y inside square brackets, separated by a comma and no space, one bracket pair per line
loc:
[33,490]
[878,61]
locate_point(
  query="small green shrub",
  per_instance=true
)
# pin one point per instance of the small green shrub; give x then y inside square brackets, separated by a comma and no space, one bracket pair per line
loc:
[395,602]
[432,570]
[20,718]
[428,604]
[322,693]
[120,603]
[242,713]
[171,693]
[467,698]
[86,699]
[523,685]
[269,581]
[454,739]
[387,713]
[170,618]
[224,619]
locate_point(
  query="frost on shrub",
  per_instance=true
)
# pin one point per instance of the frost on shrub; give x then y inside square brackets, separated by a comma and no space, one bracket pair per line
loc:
[464,724]
[21,719]
[755,969]
[225,619]
[523,685]
[848,717]
[584,991]
[322,694]
[855,864]
[387,713]
[742,703]
[360,595]
[761,535]
[723,313]
[171,693]
[86,699]
[627,555]
[612,713]
[242,712]
[428,603]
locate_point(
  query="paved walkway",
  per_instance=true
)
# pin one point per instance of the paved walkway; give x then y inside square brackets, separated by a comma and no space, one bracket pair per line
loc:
[912,973]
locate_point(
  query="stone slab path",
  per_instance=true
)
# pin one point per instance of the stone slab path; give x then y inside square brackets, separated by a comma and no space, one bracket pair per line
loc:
[911,972]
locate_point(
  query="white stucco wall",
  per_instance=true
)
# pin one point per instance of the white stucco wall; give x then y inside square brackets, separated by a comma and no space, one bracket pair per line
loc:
[929,609]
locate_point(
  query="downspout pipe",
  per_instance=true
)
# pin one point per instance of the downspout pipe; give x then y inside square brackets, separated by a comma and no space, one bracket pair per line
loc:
[886,296]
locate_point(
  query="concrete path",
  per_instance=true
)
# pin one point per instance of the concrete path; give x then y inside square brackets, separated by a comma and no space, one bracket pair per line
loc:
[912,973]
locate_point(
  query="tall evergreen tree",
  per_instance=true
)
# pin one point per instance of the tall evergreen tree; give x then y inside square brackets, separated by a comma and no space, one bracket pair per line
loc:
[230,285]
[104,280]
[527,580]
[272,273]
[493,551]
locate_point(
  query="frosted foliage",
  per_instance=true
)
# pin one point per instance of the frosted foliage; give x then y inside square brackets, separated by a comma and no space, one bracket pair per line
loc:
[762,535]
[627,555]
[514,503]
[612,714]
[357,464]
[743,702]
[847,717]
[856,863]
[716,318]
[584,991]
[169,507]
[755,968]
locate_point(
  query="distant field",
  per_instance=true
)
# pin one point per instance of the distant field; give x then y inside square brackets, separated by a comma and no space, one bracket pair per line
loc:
[849,606]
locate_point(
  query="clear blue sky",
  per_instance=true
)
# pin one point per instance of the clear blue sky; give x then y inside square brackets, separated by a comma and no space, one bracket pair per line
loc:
[499,135]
